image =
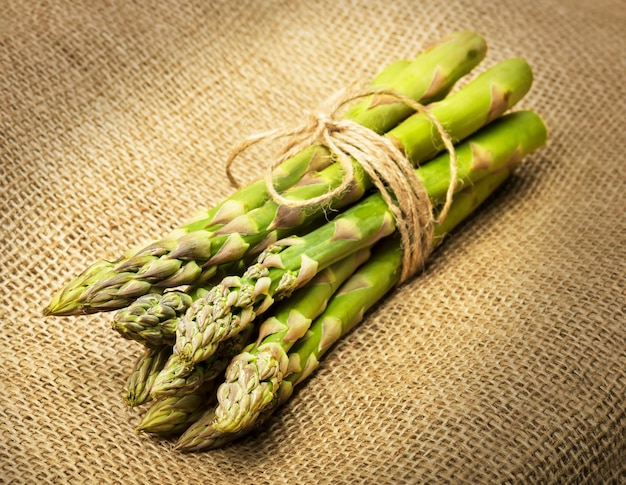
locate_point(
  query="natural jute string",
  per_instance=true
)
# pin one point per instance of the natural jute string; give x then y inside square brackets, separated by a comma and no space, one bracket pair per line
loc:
[387,166]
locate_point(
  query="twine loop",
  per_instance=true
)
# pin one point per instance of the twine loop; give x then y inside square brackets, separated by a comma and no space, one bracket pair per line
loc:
[386,165]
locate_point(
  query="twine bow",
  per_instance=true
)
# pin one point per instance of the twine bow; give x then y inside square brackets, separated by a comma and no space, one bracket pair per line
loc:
[386,165]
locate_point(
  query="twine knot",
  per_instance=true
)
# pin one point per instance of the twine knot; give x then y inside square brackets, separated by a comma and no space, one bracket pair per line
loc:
[386,165]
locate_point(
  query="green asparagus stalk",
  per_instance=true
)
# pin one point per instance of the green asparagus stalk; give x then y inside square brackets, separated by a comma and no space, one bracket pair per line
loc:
[368,285]
[152,318]
[181,257]
[234,302]
[145,371]
[173,414]
[251,380]
[174,380]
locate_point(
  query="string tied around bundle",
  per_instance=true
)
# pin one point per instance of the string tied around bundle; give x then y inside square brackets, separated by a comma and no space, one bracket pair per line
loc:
[390,171]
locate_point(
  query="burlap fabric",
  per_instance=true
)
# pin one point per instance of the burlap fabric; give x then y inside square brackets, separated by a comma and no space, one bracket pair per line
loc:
[505,361]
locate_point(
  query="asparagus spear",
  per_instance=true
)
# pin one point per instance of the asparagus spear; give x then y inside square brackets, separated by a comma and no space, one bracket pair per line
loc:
[173,414]
[149,364]
[174,380]
[253,377]
[345,310]
[152,318]
[180,258]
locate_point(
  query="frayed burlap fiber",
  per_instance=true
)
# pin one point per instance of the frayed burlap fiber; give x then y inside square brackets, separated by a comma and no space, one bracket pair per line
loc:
[503,362]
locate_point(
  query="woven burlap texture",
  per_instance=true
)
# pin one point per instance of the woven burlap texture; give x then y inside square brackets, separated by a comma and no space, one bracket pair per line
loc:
[504,361]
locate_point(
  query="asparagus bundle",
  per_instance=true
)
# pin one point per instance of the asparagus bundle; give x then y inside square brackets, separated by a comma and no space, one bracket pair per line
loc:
[237,307]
